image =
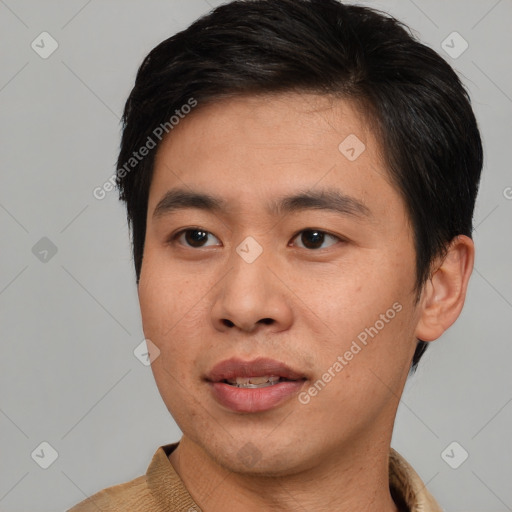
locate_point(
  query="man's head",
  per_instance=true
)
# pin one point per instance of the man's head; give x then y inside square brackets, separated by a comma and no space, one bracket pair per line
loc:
[412,98]
[317,102]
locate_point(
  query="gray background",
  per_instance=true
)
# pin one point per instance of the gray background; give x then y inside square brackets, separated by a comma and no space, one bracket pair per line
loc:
[70,320]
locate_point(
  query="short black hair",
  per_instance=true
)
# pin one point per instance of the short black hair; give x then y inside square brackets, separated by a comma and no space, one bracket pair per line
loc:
[418,106]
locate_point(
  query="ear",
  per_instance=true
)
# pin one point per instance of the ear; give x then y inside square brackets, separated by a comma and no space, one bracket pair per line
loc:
[444,293]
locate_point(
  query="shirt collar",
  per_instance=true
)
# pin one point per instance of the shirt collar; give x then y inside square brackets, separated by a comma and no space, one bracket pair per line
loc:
[407,488]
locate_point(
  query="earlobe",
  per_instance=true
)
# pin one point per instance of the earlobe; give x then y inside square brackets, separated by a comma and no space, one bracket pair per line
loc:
[444,293]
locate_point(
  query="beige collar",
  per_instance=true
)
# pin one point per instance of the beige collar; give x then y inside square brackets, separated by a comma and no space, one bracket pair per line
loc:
[407,488]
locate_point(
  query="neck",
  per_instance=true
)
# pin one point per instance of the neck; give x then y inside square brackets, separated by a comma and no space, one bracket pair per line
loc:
[354,479]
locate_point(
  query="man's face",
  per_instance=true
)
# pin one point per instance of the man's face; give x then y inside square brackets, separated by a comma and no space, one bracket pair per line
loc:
[248,282]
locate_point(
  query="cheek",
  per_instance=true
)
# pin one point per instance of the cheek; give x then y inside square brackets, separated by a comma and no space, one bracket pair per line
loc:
[355,292]
[174,310]
[365,311]
[165,295]
[167,300]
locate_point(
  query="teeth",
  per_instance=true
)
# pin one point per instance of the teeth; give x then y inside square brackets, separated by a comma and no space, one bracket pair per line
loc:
[254,382]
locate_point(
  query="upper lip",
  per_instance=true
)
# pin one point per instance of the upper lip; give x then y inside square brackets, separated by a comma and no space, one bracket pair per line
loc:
[233,368]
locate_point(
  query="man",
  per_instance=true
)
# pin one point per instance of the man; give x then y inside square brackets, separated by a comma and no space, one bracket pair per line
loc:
[300,178]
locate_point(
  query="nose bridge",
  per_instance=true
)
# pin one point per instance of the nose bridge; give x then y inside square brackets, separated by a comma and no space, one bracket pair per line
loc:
[248,264]
[251,250]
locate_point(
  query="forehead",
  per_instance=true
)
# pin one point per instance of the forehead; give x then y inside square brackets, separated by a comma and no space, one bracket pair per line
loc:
[262,147]
[292,124]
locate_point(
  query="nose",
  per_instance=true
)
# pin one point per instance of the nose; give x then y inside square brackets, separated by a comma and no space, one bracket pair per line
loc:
[251,297]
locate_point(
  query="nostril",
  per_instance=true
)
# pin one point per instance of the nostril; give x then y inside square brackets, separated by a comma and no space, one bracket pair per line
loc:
[227,322]
[266,321]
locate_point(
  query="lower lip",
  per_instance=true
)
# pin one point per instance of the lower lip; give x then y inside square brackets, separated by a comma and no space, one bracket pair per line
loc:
[255,399]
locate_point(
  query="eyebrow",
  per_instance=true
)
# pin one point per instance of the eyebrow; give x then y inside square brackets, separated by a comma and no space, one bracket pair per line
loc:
[325,199]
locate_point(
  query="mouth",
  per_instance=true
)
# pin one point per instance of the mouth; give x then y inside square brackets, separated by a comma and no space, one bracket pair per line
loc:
[260,372]
[255,382]
[253,386]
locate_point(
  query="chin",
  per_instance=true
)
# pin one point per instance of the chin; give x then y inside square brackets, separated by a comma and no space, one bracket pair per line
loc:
[258,457]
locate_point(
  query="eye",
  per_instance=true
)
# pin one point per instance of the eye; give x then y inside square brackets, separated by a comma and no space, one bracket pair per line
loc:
[310,238]
[194,237]
[314,238]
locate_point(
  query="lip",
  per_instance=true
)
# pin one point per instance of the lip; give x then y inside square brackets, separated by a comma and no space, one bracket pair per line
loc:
[232,368]
[251,400]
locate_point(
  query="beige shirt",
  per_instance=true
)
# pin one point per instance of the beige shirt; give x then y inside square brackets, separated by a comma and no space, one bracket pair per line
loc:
[162,490]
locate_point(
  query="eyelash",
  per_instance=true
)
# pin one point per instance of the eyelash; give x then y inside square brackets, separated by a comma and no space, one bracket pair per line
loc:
[173,238]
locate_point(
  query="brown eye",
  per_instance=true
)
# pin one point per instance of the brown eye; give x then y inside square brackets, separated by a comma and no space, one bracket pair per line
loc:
[314,238]
[193,237]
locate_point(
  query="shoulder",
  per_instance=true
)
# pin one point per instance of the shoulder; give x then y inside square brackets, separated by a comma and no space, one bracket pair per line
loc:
[133,495]
[159,490]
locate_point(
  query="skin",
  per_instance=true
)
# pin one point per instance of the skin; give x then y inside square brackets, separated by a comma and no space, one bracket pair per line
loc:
[202,305]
